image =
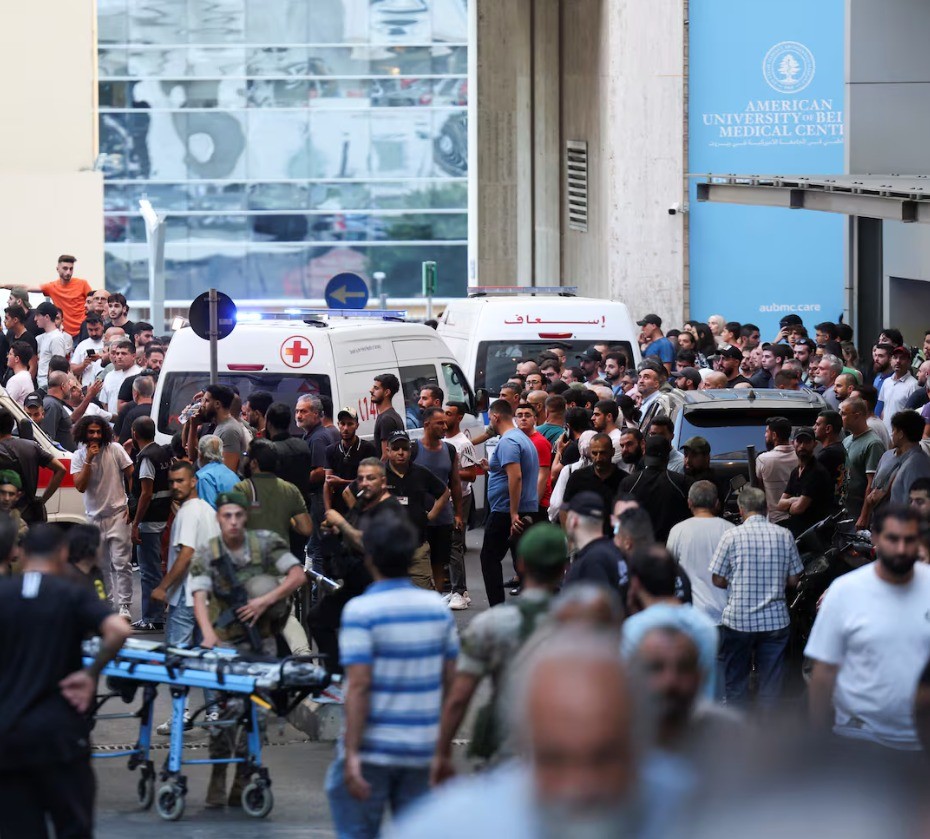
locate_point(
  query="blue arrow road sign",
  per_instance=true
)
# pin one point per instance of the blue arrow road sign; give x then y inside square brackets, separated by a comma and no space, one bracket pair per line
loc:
[346,291]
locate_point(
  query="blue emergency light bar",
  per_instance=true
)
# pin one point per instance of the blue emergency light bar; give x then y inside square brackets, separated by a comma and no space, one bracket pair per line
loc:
[318,314]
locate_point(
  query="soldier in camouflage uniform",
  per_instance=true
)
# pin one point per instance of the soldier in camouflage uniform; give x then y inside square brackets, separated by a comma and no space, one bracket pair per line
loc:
[491,642]
[239,602]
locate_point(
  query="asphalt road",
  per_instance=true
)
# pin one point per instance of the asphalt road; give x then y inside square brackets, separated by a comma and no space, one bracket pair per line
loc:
[297,766]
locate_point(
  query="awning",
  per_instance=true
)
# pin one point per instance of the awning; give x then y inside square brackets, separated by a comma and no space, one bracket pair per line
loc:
[895,197]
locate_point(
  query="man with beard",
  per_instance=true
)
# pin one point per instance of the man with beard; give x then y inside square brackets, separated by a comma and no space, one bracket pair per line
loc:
[615,365]
[572,713]
[898,387]
[804,353]
[870,642]
[881,365]
[602,477]
[388,420]
[808,496]
[730,360]
[632,449]
[663,494]
[217,400]
[343,459]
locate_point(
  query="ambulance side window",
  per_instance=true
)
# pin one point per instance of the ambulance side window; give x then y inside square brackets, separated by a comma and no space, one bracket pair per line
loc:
[412,379]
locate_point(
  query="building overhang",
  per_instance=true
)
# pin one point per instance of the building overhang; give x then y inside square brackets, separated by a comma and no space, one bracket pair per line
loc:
[894,197]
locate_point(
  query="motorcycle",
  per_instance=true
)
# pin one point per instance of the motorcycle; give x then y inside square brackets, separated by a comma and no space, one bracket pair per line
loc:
[828,550]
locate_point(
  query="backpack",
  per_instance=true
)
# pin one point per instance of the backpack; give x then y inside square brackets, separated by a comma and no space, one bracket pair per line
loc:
[486,734]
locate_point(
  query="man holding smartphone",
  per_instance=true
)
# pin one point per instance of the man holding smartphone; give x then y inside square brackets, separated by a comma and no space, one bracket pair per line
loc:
[88,351]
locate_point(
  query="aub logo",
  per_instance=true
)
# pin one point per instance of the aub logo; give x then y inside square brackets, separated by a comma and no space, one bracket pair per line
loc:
[789,67]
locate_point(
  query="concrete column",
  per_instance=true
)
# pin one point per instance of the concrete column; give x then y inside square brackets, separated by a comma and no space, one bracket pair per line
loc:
[52,200]
[504,133]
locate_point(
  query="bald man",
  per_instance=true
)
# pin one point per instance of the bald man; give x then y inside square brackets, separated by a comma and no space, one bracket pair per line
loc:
[574,717]
[715,380]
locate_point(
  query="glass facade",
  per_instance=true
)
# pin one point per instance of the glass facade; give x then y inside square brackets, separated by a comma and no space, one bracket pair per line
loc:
[287,141]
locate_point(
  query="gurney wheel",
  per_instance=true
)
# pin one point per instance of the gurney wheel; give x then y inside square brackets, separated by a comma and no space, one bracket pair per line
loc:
[257,799]
[170,802]
[145,791]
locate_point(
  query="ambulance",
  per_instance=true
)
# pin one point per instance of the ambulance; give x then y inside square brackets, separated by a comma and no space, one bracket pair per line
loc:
[327,352]
[497,326]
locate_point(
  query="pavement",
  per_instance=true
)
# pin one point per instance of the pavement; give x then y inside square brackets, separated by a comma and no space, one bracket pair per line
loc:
[296,765]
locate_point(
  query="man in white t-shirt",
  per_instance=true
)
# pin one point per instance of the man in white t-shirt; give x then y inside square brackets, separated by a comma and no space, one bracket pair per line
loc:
[871,640]
[51,341]
[694,541]
[20,384]
[99,467]
[194,525]
[85,362]
[123,356]
[468,471]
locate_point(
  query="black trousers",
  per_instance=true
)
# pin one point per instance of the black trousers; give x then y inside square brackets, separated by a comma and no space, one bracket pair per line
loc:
[497,542]
[64,792]
[439,537]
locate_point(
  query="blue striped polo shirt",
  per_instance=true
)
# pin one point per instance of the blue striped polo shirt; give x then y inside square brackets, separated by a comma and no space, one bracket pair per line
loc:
[406,635]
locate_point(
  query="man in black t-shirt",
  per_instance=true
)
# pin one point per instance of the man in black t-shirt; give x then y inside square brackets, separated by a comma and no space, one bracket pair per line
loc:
[388,420]
[597,559]
[828,429]
[808,496]
[602,477]
[45,693]
[343,458]
[423,497]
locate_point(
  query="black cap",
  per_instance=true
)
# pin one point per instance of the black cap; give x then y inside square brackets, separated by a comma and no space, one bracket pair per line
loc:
[588,504]
[398,437]
[33,400]
[731,352]
[804,431]
[590,354]
[790,320]
[658,448]
[689,373]
[655,320]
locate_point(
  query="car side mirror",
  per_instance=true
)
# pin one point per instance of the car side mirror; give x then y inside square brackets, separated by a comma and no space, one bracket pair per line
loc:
[737,482]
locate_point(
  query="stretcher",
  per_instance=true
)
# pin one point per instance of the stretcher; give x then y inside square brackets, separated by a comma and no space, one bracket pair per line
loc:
[264,685]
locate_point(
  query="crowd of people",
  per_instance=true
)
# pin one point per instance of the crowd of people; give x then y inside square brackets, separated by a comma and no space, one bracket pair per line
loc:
[640,640]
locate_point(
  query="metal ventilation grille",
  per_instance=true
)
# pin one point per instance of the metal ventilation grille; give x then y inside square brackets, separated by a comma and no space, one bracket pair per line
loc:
[576,182]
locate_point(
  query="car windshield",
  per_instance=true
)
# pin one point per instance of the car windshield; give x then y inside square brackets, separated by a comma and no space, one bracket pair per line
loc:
[179,390]
[730,431]
[497,360]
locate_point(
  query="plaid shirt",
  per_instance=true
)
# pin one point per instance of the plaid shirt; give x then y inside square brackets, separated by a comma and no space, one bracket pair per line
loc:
[756,559]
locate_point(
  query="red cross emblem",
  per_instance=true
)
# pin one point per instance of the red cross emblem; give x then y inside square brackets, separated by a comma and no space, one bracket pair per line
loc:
[296,351]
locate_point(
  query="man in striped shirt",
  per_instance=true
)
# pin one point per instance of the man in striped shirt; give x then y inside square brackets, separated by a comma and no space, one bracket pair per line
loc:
[398,647]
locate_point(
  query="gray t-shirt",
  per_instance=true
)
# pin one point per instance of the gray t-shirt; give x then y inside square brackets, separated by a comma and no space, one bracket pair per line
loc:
[234,438]
[439,462]
[57,422]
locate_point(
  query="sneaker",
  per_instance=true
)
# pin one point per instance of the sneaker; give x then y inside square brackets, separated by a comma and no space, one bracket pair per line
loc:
[457,603]
[467,598]
[125,613]
[447,597]
[143,626]
[165,728]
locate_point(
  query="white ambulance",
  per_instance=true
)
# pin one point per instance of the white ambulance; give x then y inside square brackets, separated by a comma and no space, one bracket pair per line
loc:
[497,326]
[317,352]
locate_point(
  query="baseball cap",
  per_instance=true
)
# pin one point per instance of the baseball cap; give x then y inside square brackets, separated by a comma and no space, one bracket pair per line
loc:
[690,374]
[8,476]
[697,444]
[586,504]
[901,351]
[653,319]
[20,293]
[351,413]
[731,352]
[33,400]
[543,546]
[803,431]
[590,354]
[398,437]
[232,497]
[790,320]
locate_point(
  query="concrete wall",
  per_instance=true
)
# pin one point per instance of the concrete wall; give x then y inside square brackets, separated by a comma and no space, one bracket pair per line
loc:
[52,201]
[606,72]
[888,85]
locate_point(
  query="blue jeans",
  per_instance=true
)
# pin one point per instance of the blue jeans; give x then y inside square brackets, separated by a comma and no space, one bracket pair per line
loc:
[397,786]
[737,651]
[179,628]
[150,575]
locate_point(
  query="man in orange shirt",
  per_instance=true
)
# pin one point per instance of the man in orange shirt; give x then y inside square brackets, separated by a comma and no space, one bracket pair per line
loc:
[68,293]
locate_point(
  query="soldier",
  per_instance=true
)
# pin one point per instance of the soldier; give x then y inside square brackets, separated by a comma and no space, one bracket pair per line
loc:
[490,643]
[237,572]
